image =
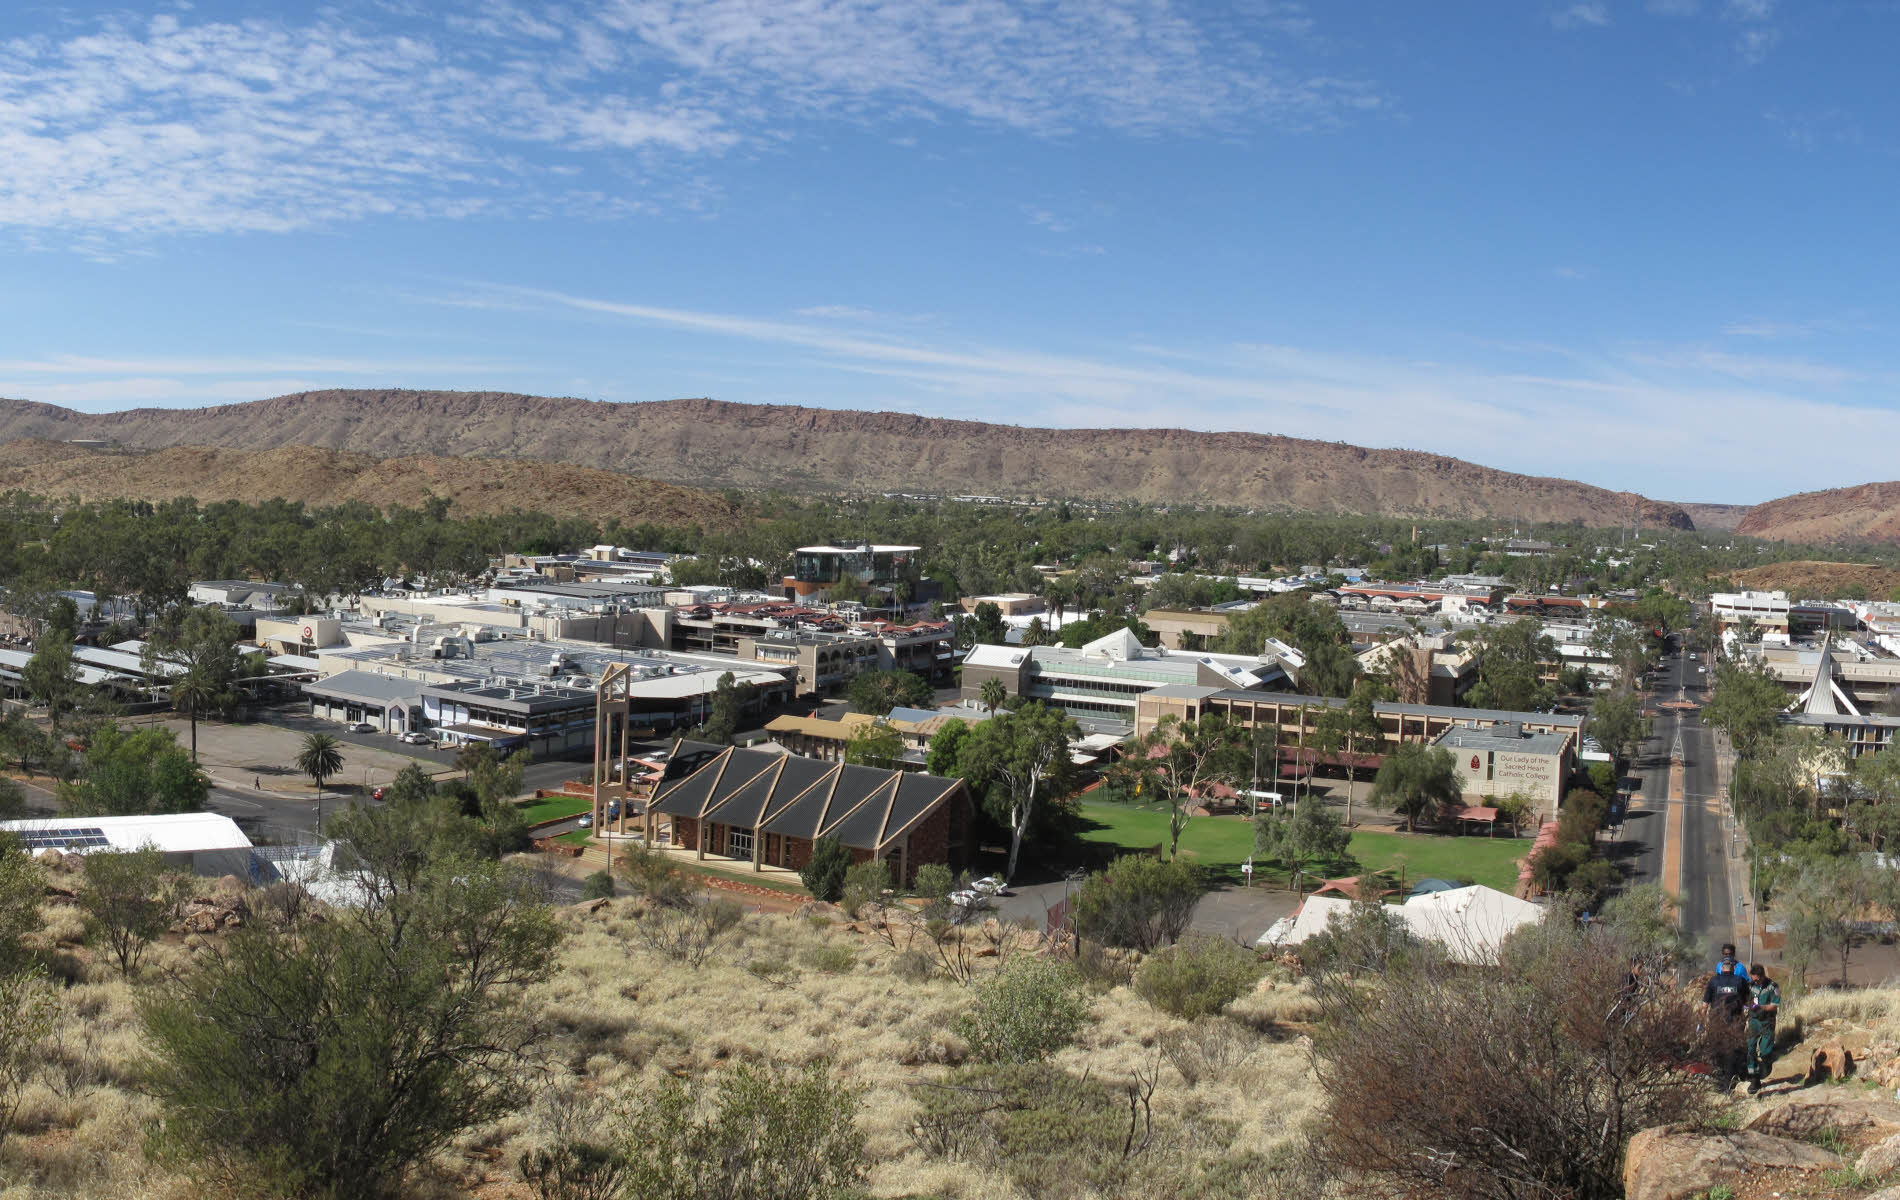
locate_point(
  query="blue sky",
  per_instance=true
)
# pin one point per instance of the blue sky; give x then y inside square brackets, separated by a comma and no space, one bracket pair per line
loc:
[1644,243]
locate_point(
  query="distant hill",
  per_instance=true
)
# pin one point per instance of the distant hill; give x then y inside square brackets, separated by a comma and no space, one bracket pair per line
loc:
[1725,517]
[711,443]
[325,477]
[1806,580]
[1868,513]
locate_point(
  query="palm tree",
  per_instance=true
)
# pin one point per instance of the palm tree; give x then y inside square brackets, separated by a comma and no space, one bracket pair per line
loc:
[319,759]
[193,692]
[992,694]
[1418,782]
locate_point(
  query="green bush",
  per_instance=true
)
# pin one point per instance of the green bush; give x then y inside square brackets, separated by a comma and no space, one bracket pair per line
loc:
[598,886]
[935,883]
[1027,1011]
[651,875]
[824,875]
[1139,903]
[1197,978]
[830,959]
[865,883]
[765,1131]
[1049,1132]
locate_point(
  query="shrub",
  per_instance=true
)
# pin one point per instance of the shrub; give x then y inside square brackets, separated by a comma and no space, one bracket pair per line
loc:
[28,1009]
[1102,969]
[1027,1011]
[1433,1054]
[1197,978]
[581,1153]
[650,874]
[128,900]
[1052,1134]
[689,934]
[772,967]
[832,960]
[1207,1049]
[598,886]
[328,1059]
[769,1133]
[22,885]
[914,966]
[935,883]
[1138,903]
[865,883]
[824,875]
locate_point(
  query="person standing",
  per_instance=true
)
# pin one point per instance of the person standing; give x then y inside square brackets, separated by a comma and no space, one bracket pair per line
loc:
[1726,994]
[1760,1034]
[1729,956]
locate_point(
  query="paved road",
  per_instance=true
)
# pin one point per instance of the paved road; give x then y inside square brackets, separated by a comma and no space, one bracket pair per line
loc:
[1702,881]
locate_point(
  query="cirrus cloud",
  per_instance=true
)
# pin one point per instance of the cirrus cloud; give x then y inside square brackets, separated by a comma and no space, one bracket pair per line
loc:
[180,124]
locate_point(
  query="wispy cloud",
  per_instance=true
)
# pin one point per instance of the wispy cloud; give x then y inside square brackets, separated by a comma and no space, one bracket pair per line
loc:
[1754,43]
[185,124]
[1770,330]
[1581,16]
[94,382]
[1045,219]
[1749,366]
[837,312]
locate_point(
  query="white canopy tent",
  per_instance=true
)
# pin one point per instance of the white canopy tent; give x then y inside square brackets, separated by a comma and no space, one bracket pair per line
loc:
[1470,922]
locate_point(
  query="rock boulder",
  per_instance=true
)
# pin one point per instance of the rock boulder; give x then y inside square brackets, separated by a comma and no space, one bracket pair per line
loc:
[1853,1115]
[1673,1162]
[1880,1159]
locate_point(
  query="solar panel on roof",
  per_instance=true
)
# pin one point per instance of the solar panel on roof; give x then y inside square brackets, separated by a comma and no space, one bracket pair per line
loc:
[66,837]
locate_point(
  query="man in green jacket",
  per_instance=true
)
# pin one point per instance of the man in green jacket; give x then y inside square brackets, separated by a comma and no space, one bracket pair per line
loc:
[1760,1032]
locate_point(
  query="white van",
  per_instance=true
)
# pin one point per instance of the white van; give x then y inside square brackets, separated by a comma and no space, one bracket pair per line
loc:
[1272,800]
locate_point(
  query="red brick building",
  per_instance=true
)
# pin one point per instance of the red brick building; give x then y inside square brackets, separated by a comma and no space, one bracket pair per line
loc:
[769,808]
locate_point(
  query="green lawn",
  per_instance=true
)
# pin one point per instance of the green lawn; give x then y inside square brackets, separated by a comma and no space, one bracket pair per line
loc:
[576,837]
[537,811]
[1221,844]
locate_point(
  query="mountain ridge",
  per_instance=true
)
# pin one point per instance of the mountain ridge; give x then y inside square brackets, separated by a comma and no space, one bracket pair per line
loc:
[714,443]
[321,478]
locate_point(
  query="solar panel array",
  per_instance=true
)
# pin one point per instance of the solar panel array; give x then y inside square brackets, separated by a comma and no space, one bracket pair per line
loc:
[65,837]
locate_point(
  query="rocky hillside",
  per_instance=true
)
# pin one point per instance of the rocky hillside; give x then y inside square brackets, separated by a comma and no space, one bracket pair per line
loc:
[711,443]
[325,477]
[1807,580]
[1868,513]
[1715,516]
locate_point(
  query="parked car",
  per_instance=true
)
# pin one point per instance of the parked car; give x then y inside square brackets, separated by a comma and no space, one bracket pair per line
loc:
[586,821]
[377,794]
[990,885]
[361,727]
[416,737]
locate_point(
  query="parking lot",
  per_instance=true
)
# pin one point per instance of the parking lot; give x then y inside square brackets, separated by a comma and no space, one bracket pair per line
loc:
[263,755]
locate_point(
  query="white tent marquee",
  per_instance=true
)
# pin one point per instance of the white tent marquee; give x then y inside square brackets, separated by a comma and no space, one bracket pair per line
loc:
[1470,922]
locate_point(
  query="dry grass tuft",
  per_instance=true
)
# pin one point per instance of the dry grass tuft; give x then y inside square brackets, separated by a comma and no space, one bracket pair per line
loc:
[621,1016]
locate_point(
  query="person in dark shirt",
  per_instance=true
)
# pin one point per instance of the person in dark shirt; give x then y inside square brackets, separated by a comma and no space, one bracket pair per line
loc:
[1763,1008]
[1727,996]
